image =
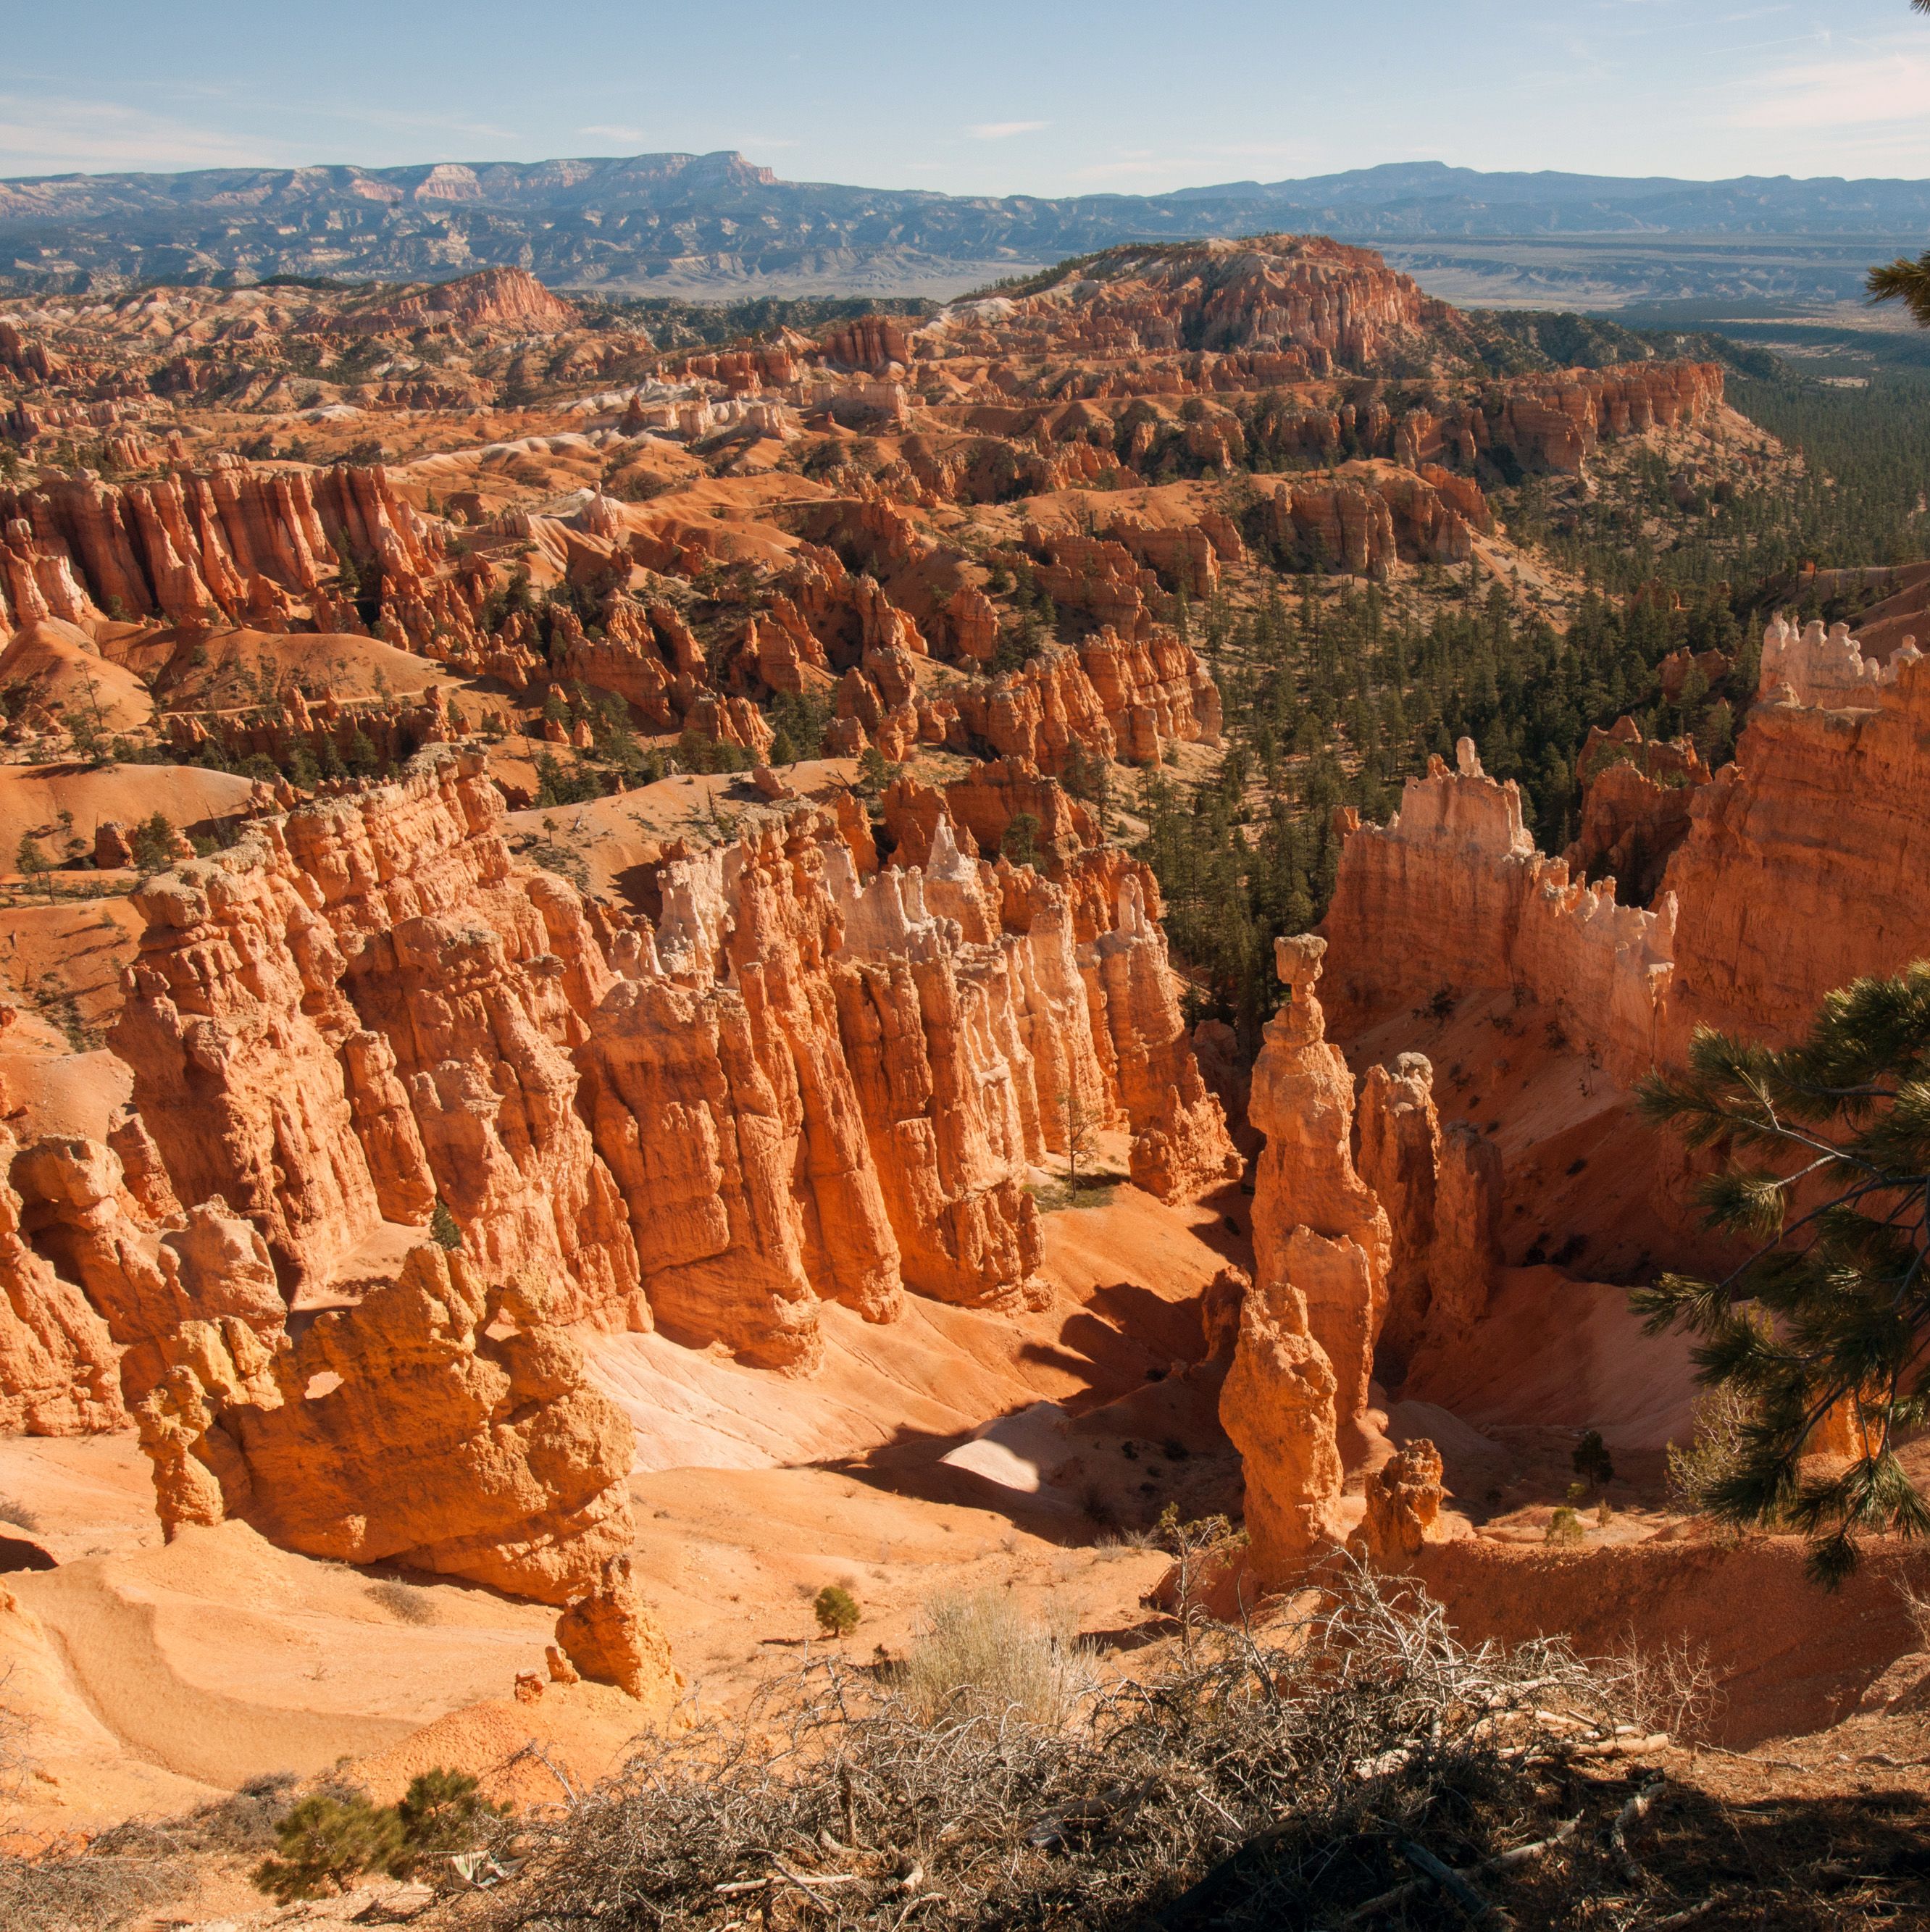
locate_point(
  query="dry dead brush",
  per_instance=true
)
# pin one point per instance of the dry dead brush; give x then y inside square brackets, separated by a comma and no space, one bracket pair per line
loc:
[1271,1777]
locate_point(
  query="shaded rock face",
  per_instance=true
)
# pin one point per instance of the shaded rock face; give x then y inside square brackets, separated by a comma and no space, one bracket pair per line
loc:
[1403,1507]
[1400,1149]
[1441,1189]
[1637,802]
[412,1428]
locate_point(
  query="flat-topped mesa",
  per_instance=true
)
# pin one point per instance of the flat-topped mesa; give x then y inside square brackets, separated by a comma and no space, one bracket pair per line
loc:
[490,298]
[1307,302]
[1451,896]
[1813,667]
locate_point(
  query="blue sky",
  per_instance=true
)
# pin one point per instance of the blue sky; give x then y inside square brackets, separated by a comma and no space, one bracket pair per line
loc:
[989,98]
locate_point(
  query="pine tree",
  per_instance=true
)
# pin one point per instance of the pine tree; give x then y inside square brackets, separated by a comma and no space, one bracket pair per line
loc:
[1905,281]
[1828,1314]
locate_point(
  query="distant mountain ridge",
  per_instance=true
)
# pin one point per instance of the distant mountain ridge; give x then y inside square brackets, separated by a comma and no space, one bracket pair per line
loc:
[1430,198]
[691,224]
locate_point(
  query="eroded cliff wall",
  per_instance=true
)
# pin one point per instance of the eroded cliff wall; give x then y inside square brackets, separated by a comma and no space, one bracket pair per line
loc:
[809,1081]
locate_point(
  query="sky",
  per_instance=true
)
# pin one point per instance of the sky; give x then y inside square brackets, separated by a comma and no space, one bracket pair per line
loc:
[989,98]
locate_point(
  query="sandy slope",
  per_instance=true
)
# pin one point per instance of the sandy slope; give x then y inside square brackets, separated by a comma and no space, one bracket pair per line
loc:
[151,1673]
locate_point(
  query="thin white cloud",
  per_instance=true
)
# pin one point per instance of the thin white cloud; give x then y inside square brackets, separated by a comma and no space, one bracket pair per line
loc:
[43,134]
[615,133]
[1848,92]
[1003,130]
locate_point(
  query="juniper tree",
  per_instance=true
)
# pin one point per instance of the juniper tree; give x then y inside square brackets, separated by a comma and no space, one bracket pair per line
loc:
[1827,1181]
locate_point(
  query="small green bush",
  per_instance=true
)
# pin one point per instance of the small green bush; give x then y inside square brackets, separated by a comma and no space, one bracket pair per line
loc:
[837,1611]
[443,1229]
[442,1811]
[325,1842]
[331,1837]
[1565,1527]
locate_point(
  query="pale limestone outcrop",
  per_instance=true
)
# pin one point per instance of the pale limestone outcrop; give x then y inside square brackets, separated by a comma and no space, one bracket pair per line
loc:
[410,1429]
[1451,896]
[609,1636]
[1828,669]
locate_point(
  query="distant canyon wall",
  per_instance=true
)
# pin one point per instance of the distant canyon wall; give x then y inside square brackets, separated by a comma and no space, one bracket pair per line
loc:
[1797,873]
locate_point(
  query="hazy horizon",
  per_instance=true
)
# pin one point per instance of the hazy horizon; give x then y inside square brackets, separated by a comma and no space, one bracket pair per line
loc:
[1078,99]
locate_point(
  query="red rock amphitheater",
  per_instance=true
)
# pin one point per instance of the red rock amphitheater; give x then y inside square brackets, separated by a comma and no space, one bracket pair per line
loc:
[577,920]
